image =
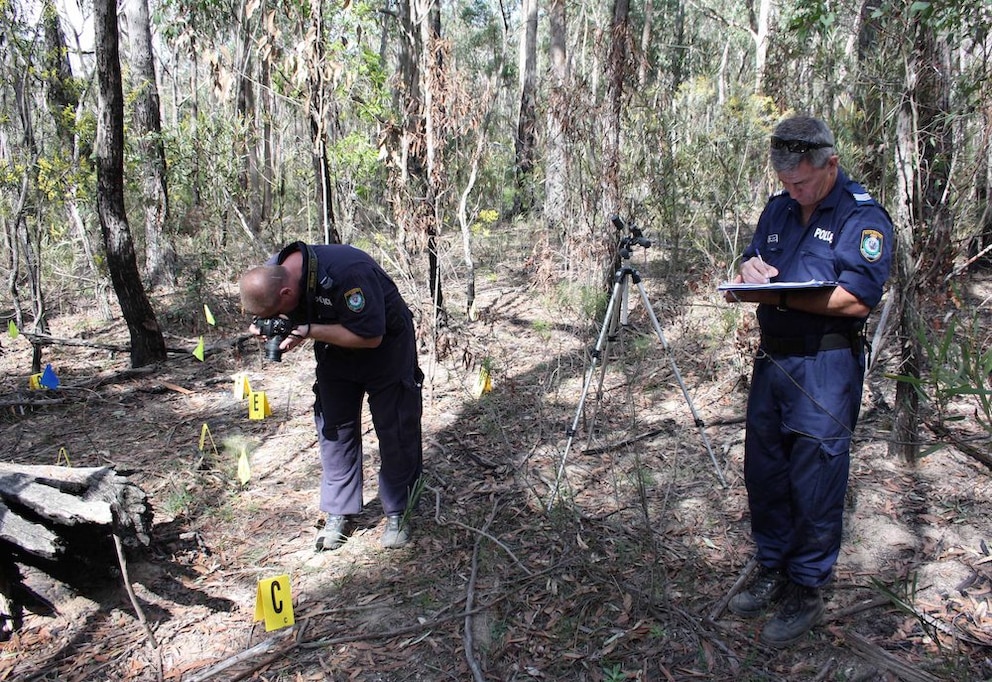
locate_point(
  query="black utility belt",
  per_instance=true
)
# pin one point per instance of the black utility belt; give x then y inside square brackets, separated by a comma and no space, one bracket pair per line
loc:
[810,345]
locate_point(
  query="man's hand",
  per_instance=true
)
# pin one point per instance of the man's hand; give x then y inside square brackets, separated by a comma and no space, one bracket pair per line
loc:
[753,271]
[757,271]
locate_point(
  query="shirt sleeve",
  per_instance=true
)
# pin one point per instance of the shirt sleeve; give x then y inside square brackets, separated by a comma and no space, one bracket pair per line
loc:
[360,302]
[865,253]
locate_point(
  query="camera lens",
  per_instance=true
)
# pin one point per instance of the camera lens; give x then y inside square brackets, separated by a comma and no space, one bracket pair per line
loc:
[272,350]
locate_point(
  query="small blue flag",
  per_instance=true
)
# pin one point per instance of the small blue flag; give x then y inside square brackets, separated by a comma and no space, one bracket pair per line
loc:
[48,378]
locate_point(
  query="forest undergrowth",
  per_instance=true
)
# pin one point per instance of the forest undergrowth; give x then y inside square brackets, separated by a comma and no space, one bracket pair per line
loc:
[622,574]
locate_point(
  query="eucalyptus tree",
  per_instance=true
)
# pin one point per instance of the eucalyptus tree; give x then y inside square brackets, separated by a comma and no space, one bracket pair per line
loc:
[23,166]
[556,121]
[160,254]
[525,137]
[147,343]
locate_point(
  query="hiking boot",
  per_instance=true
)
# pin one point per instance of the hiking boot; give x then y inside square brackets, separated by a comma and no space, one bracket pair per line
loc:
[333,534]
[802,608]
[765,589]
[397,533]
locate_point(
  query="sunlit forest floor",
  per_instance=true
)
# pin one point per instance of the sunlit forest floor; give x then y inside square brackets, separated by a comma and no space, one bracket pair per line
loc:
[621,575]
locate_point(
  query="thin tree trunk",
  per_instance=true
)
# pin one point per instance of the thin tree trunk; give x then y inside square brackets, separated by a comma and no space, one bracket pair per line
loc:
[643,62]
[160,255]
[434,92]
[923,164]
[556,165]
[616,62]
[147,343]
[759,32]
[525,140]
[29,242]
[250,199]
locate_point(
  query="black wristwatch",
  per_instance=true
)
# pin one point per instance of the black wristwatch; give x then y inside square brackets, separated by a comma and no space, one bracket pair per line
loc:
[782,302]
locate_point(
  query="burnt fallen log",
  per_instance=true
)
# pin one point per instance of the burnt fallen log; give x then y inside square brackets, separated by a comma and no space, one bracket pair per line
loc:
[64,522]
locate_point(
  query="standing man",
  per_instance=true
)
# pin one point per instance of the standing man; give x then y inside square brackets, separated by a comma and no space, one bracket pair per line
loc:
[809,370]
[364,340]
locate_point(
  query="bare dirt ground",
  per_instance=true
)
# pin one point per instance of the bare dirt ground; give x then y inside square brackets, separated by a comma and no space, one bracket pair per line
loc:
[623,579]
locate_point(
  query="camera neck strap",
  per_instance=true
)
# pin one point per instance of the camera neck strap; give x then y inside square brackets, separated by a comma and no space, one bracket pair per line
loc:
[311,278]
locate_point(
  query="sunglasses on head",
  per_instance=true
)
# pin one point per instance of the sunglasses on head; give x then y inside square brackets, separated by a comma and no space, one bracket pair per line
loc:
[797,146]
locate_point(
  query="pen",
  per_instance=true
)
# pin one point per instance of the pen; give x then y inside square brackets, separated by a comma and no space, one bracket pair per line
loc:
[758,254]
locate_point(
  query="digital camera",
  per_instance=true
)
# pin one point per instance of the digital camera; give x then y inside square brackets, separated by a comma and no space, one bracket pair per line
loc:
[275,330]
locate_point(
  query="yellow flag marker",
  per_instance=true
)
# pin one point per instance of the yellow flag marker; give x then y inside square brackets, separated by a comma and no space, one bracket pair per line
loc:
[483,383]
[244,469]
[210,316]
[63,455]
[34,381]
[242,389]
[258,405]
[274,603]
[198,351]
[206,435]
[12,329]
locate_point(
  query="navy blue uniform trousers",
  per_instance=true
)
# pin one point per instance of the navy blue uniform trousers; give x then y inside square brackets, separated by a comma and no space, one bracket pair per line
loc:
[801,413]
[389,375]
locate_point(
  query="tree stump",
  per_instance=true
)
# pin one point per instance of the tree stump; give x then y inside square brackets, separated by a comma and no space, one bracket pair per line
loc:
[62,519]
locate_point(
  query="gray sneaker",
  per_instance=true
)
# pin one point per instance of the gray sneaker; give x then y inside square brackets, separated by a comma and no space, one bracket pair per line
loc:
[333,534]
[765,589]
[397,533]
[802,608]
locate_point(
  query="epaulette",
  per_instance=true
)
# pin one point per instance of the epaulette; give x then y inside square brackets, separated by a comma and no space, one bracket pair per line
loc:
[859,194]
[776,195]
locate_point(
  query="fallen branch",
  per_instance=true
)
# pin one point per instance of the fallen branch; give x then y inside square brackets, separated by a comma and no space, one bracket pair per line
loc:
[886,661]
[470,600]
[722,604]
[977,454]
[49,340]
[262,647]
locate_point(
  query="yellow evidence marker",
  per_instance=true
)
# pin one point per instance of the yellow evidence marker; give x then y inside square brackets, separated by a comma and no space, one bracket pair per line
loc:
[258,405]
[242,389]
[274,603]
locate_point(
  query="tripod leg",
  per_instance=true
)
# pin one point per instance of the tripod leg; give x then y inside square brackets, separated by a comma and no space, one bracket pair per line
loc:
[616,320]
[608,329]
[678,378]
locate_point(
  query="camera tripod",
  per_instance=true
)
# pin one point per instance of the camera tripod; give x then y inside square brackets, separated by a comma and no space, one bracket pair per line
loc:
[616,318]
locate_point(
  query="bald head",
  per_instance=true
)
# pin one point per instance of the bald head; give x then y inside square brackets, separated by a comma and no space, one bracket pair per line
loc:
[262,289]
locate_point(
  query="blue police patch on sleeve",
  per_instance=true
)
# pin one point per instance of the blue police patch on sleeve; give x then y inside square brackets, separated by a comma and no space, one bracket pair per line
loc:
[871,245]
[355,300]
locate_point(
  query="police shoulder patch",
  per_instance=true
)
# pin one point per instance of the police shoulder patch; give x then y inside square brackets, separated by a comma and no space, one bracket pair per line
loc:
[871,245]
[355,300]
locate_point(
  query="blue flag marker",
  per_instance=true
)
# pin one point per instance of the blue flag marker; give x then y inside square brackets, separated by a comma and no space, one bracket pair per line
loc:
[48,378]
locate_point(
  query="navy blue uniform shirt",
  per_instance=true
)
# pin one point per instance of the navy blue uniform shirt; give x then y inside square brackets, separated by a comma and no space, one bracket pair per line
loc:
[348,288]
[848,240]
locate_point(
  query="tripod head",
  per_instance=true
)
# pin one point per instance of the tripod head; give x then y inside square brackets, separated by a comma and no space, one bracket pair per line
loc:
[634,237]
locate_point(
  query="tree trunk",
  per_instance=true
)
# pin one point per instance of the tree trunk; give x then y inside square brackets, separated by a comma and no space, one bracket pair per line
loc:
[556,155]
[923,165]
[759,32]
[147,343]
[525,140]
[644,61]
[616,69]
[250,199]
[319,111]
[434,177]
[28,239]
[160,255]
[557,164]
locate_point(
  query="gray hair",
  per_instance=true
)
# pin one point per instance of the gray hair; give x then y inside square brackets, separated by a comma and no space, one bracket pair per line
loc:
[807,129]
